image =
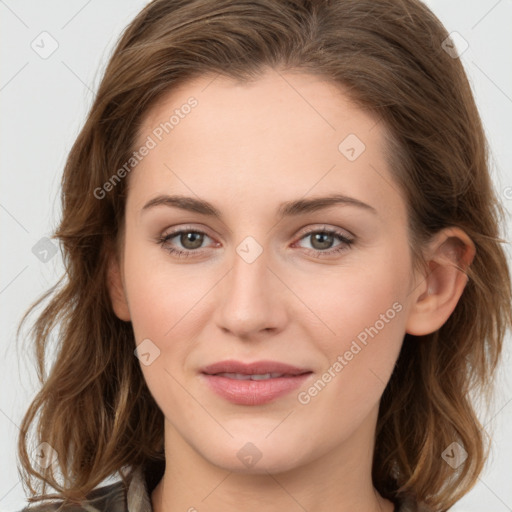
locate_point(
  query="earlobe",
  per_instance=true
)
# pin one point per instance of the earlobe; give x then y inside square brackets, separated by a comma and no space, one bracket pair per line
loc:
[116,290]
[449,256]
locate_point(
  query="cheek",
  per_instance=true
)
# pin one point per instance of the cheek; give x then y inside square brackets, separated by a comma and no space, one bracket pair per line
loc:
[367,295]
[164,301]
[161,295]
[365,308]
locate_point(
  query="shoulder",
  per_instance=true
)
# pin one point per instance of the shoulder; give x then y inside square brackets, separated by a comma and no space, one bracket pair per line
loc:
[111,498]
[117,497]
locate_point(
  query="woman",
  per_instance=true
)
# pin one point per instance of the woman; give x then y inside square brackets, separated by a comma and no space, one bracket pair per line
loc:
[283,268]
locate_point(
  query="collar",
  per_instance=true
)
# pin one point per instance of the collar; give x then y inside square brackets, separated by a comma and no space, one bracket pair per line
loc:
[142,483]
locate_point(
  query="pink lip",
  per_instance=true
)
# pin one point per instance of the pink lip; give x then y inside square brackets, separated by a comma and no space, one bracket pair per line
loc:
[253,392]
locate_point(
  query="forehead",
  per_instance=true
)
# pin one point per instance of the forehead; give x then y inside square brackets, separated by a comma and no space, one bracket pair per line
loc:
[273,100]
[282,136]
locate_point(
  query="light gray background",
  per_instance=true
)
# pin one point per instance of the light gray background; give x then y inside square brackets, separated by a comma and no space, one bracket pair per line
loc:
[43,104]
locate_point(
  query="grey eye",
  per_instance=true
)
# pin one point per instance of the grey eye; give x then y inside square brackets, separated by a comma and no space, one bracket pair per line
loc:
[191,239]
[321,241]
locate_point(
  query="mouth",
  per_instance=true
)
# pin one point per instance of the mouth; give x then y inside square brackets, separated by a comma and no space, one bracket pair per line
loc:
[256,376]
[254,383]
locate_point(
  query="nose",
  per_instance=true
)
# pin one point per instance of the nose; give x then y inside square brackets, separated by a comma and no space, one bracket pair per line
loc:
[251,299]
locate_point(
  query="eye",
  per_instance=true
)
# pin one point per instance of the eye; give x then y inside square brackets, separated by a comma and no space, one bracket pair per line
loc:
[190,241]
[322,241]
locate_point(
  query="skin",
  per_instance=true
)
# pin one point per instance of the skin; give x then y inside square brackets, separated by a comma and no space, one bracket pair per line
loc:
[247,148]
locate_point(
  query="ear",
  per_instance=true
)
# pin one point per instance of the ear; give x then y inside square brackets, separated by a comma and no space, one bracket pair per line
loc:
[448,257]
[116,290]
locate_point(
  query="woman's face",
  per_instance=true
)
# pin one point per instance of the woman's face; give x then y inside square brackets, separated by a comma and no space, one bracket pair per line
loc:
[274,275]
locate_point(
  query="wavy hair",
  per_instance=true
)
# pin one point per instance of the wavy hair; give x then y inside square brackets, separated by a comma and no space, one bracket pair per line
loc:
[94,407]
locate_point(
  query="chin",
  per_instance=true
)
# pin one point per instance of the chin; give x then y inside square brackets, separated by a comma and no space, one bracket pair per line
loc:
[255,454]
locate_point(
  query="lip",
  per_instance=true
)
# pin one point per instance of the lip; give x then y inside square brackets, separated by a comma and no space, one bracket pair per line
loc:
[253,392]
[257,367]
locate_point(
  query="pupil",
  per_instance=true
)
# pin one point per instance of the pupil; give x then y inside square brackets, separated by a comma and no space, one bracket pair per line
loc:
[324,239]
[191,240]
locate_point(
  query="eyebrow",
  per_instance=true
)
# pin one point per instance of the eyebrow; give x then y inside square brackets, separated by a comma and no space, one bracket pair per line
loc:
[286,209]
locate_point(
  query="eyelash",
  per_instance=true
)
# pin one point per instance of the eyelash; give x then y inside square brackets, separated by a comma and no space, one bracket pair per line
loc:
[344,245]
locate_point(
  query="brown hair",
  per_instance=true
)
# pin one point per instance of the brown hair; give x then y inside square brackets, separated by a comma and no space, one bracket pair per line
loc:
[94,407]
